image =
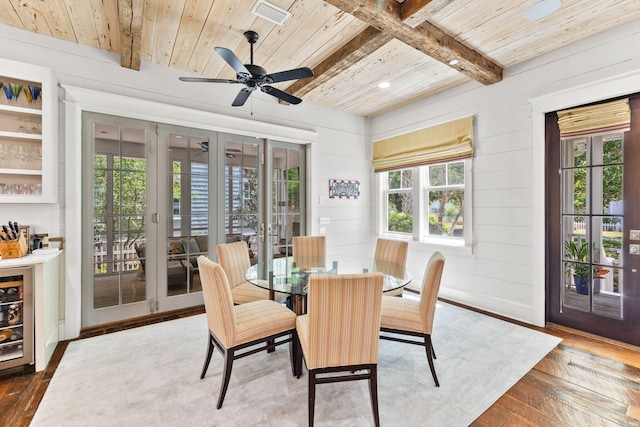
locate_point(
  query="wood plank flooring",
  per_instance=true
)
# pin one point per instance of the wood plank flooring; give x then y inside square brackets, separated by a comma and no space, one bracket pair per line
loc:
[586,381]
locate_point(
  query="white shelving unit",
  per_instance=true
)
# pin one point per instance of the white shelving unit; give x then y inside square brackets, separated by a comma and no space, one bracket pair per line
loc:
[28,136]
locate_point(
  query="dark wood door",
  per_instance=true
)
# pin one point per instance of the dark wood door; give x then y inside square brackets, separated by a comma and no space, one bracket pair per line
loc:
[593,208]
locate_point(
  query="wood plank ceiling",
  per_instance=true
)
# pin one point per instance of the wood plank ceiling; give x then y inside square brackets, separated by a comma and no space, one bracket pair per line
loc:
[351,45]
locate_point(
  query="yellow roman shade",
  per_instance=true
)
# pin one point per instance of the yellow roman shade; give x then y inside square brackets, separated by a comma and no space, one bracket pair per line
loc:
[595,120]
[442,143]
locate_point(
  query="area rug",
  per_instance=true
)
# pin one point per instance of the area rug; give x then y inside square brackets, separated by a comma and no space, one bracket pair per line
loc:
[149,376]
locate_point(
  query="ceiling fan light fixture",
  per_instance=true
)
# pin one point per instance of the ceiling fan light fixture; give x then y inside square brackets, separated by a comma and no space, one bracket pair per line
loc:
[384,85]
[542,9]
[270,12]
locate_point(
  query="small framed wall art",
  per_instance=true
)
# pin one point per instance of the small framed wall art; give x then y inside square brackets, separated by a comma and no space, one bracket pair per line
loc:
[344,189]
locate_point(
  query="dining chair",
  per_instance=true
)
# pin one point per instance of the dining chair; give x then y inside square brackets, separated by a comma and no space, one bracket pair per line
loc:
[309,251]
[340,332]
[406,316]
[234,259]
[392,253]
[233,328]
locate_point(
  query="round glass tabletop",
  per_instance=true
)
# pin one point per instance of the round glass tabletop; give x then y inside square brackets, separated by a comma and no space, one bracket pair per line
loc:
[286,276]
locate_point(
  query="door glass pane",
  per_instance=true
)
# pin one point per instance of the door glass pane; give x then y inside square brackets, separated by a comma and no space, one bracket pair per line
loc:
[187,237]
[575,190]
[592,219]
[241,195]
[575,152]
[286,201]
[119,206]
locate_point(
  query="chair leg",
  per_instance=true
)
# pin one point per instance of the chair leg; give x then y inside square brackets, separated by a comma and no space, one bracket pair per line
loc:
[207,360]
[429,348]
[228,364]
[373,391]
[298,355]
[312,396]
[293,353]
[433,351]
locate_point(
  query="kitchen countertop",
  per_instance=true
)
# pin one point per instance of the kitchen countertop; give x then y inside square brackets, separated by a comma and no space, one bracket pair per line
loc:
[30,259]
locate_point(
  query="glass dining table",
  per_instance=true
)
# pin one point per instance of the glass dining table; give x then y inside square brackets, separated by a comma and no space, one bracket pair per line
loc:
[288,277]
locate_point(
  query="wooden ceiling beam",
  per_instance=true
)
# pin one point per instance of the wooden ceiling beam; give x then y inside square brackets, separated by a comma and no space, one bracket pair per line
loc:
[131,16]
[425,37]
[412,13]
[361,46]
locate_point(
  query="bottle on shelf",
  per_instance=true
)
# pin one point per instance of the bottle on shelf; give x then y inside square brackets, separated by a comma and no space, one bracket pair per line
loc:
[15,314]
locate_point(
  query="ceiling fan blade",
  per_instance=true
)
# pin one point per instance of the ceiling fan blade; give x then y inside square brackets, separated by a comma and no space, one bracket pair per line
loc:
[241,98]
[206,80]
[287,97]
[283,76]
[233,60]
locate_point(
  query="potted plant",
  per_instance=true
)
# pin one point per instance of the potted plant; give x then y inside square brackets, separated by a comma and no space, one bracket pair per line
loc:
[581,273]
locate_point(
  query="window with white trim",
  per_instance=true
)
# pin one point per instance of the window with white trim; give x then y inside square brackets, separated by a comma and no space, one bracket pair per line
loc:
[428,202]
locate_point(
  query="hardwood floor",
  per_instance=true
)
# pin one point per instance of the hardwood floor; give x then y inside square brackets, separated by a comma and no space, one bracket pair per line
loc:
[586,381]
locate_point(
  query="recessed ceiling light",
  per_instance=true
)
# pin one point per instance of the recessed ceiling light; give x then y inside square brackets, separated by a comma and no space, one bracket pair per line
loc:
[453,62]
[384,85]
[541,9]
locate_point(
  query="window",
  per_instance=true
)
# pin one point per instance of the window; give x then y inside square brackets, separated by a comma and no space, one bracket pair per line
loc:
[444,196]
[428,202]
[399,201]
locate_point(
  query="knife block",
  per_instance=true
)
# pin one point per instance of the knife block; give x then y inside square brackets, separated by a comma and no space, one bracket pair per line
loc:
[14,249]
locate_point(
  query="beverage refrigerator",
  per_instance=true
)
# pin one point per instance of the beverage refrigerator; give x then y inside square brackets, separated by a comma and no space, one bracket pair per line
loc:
[16,317]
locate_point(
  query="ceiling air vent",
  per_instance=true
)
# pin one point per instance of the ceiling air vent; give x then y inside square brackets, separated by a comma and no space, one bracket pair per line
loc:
[270,12]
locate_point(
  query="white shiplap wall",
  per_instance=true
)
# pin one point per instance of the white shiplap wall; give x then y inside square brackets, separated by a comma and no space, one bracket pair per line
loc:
[339,149]
[505,272]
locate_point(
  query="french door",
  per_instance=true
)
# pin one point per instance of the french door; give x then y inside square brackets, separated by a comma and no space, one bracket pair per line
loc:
[264,194]
[158,196]
[593,218]
[146,217]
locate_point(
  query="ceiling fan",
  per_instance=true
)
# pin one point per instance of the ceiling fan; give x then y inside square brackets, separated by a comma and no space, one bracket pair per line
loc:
[253,76]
